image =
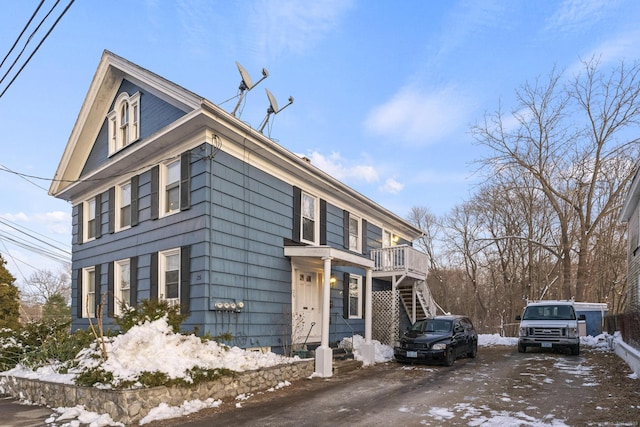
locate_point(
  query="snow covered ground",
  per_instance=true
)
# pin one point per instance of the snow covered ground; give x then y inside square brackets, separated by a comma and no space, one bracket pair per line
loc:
[146,348]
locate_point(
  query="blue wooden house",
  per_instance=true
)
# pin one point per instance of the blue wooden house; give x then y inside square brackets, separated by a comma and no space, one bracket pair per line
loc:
[176,199]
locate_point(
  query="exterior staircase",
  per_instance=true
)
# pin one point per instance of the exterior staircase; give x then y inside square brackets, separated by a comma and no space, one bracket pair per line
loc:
[417,300]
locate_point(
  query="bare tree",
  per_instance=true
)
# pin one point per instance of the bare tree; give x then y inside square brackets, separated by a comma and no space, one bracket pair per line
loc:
[44,284]
[574,143]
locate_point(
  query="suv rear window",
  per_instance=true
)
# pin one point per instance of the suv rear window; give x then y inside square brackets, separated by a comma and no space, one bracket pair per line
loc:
[549,312]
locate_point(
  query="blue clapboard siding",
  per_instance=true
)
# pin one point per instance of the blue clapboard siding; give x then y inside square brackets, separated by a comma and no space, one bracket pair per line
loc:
[251,217]
[185,228]
[236,226]
[155,114]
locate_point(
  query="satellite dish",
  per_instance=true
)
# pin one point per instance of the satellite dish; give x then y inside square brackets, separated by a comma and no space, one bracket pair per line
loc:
[273,108]
[246,84]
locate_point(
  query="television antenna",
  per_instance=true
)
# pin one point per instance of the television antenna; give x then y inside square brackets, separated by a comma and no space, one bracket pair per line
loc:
[246,84]
[273,108]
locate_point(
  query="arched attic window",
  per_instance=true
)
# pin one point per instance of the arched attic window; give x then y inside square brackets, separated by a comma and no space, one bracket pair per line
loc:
[124,121]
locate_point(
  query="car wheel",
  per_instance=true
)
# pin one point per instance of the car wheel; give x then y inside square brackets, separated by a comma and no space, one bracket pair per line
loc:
[474,350]
[522,348]
[575,350]
[450,357]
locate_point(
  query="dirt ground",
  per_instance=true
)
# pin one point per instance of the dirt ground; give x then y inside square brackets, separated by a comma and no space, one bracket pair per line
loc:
[500,387]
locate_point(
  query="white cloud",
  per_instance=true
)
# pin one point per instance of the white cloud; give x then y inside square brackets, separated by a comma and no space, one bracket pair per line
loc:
[56,222]
[418,118]
[295,26]
[19,217]
[577,15]
[344,169]
[391,186]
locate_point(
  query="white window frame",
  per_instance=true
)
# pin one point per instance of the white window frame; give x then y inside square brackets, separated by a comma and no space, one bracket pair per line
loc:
[313,215]
[355,240]
[120,206]
[90,208]
[163,258]
[121,284]
[389,239]
[355,281]
[89,293]
[124,132]
[166,186]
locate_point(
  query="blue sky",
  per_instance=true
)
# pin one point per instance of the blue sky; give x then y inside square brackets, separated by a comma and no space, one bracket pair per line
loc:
[385,91]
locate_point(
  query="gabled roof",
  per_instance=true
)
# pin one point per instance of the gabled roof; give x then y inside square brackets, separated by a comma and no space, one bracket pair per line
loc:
[203,118]
[111,71]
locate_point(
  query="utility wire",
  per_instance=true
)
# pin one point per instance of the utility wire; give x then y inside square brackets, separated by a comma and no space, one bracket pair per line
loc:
[37,47]
[15,61]
[21,33]
[3,167]
[34,238]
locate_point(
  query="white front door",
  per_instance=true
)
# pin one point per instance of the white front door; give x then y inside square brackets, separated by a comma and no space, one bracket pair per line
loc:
[307,307]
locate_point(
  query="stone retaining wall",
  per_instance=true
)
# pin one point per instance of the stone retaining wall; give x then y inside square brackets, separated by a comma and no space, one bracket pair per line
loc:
[130,406]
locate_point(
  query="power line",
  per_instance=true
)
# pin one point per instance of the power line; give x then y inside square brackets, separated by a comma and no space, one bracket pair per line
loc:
[15,61]
[5,222]
[38,46]
[21,33]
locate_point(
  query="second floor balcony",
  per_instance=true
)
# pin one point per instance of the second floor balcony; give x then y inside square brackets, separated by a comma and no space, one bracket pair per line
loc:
[399,260]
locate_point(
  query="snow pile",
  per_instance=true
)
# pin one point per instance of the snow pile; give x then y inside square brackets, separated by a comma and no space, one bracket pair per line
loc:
[599,342]
[164,411]
[488,340]
[383,353]
[145,347]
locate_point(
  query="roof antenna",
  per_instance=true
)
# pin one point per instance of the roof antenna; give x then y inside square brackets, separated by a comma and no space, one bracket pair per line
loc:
[273,108]
[246,83]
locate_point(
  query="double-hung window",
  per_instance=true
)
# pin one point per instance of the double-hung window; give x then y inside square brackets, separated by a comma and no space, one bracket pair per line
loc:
[170,276]
[308,218]
[88,292]
[355,235]
[355,296]
[171,191]
[124,205]
[122,285]
[90,225]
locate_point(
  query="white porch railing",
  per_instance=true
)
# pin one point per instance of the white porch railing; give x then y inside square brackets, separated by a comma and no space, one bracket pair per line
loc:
[399,259]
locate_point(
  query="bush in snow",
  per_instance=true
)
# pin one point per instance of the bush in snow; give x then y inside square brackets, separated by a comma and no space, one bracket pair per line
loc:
[41,343]
[148,311]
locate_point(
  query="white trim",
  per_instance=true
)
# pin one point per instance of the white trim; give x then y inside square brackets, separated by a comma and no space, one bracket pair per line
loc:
[163,184]
[359,236]
[118,206]
[315,218]
[89,303]
[117,284]
[118,140]
[86,218]
[162,279]
[358,279]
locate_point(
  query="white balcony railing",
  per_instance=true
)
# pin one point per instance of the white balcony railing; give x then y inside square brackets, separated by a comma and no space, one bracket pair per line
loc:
[400,259]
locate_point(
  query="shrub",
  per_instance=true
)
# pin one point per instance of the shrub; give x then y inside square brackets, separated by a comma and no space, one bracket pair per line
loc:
[38,343]
[150,310]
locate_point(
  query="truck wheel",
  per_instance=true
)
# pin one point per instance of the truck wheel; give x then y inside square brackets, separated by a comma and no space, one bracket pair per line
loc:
[522,348]
[575,349]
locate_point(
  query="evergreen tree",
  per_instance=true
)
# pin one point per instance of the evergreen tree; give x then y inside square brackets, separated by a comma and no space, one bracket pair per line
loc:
[56,309]
[9,299]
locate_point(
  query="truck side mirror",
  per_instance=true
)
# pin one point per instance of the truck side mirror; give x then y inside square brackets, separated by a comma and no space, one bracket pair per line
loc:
[518,318]
[582,317]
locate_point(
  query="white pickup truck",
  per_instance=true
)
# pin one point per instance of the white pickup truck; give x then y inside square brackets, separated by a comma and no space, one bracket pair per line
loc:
[549,324]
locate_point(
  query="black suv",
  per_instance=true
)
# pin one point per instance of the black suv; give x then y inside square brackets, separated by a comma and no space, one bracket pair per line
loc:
[440,339]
